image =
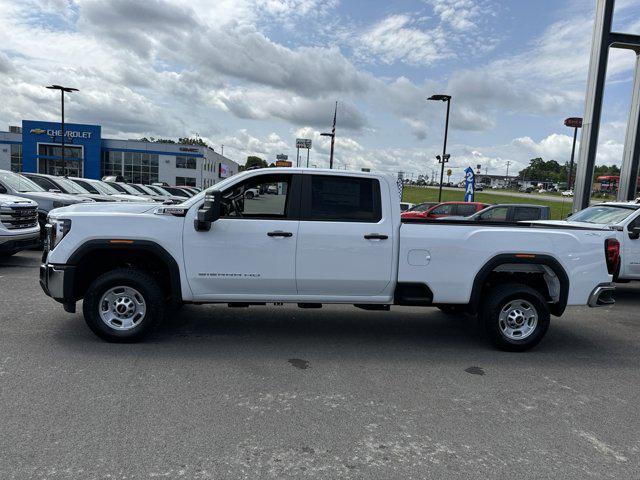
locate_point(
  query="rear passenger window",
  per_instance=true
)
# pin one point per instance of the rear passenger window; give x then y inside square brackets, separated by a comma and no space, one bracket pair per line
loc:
[466,210]
[526,213]
[343,199]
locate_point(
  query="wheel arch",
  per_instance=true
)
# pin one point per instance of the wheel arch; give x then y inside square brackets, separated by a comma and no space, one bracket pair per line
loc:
[492,266]
[128,251]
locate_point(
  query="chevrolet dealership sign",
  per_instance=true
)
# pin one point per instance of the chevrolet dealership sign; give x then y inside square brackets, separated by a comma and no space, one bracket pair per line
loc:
[58,133]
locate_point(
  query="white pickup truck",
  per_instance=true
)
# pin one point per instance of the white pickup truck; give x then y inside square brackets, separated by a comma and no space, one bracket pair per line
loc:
[623,219]
[19,228]
[324,237]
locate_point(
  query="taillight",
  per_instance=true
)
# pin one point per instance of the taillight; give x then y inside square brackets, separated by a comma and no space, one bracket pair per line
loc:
[612,254]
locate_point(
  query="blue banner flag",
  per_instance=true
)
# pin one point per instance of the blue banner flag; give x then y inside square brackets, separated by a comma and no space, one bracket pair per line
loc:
[469,184]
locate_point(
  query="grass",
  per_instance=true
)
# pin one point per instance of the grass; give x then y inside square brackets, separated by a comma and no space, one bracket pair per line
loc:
[559,208]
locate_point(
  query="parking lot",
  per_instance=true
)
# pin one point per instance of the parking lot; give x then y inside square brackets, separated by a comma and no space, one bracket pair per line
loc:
[280,392]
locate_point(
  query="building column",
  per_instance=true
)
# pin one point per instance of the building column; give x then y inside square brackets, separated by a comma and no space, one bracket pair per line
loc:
[593,104]
[631,155]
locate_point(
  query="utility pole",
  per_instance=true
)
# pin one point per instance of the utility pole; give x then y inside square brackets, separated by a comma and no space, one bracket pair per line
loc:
[332,135]
[62,90]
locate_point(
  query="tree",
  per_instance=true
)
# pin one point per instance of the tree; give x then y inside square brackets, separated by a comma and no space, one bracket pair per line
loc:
[198,142]
[254,162]
[539,170]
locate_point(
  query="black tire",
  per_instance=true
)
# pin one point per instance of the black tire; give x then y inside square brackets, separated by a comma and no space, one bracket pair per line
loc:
[249,195]
[498,298]
[143,283]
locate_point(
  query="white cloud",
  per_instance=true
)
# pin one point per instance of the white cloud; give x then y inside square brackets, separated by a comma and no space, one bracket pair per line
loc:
[397,38]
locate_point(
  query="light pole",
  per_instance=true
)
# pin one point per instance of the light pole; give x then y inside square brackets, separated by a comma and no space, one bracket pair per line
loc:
[443,98]
[62,90]
[575,123]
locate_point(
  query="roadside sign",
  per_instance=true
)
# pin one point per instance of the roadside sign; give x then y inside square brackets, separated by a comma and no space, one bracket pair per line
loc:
[282,156]
[283,163]
[573,122]
[449,172]
[303,143]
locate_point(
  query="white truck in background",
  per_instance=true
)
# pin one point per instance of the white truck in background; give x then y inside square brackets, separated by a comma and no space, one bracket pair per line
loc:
[325,237]
[19,228]
[622,219]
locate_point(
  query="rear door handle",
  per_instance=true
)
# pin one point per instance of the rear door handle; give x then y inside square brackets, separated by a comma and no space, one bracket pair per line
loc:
[280,233]
[375,236]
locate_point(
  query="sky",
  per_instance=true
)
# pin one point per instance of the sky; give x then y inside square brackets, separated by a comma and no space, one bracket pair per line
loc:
[253,75]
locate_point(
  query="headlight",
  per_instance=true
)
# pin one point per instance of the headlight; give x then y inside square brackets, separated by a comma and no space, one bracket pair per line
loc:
[57,229]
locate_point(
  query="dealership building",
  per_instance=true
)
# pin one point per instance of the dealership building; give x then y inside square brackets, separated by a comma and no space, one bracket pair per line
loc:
[35,147]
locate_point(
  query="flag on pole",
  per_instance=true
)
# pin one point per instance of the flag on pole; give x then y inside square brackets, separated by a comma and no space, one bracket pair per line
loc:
[400,184]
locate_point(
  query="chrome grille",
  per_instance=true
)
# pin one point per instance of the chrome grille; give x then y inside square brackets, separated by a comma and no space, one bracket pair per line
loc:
[16,217]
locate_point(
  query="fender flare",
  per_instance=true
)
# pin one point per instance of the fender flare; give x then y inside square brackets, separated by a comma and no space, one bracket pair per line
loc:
[135,245]
[522,258]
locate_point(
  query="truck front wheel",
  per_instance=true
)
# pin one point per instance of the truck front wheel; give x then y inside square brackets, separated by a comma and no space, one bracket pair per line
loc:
[123,305]
[515,317]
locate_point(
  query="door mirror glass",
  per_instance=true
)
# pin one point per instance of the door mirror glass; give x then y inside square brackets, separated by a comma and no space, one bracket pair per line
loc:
[209,212]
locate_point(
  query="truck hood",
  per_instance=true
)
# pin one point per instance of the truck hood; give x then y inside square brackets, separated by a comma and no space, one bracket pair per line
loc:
[12,200]
[131,198]
[565,223]
[105,207]
[55,197]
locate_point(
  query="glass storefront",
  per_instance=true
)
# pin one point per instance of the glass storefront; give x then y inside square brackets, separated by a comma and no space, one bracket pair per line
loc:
[50,160]
[135,167]
[16,158]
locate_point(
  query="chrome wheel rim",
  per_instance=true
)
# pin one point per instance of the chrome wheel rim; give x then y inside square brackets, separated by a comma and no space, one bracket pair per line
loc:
[122,308]
[518,319]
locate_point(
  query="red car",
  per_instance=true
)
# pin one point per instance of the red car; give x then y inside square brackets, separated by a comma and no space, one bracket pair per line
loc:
[447,209]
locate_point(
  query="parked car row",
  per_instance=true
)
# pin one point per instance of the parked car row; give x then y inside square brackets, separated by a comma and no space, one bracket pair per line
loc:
[477,211]
[27,198]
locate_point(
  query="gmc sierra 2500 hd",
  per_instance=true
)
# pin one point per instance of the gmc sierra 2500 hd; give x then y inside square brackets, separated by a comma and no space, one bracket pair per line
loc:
[322,237]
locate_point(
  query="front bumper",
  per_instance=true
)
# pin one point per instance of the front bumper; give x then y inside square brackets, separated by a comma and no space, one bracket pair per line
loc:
[57,282]
[16,245]
[602,295]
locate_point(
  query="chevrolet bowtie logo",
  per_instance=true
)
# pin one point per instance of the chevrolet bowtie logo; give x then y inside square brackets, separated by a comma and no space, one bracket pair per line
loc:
[37,131]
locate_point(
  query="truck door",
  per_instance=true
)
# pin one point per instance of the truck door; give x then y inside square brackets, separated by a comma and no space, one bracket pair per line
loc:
[345,238]
[251,249]
[630,268]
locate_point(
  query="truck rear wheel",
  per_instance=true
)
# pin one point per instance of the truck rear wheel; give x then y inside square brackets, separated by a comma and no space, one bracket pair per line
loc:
[123,305]
[515,317]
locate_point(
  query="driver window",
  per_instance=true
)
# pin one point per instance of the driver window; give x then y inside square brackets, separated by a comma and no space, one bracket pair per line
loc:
[264,196]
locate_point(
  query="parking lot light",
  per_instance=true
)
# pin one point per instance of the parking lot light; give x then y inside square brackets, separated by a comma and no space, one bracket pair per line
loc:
[443,98]
[62,91]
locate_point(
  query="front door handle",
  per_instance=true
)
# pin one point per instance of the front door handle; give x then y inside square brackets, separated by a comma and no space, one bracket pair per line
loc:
[280,233]
[375,236]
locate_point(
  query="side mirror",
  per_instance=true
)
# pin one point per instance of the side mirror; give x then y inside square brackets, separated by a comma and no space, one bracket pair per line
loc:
[209,212]
[634,232]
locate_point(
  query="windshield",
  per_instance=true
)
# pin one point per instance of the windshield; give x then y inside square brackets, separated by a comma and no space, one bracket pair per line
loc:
[104,188]
[70,186]
[145,190]
[602,214]
[19,183]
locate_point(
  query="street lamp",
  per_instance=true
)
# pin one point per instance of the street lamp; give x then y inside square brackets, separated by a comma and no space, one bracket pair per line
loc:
[575,123]
[62,90]
[445,157]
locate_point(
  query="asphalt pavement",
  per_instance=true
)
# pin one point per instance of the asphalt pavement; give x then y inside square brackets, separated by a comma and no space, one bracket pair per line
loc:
[278,392]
